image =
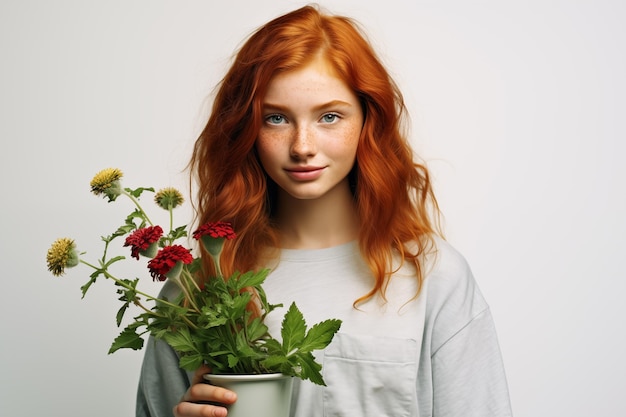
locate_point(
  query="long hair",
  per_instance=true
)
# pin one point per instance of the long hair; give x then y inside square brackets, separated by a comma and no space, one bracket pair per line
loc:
[388,185]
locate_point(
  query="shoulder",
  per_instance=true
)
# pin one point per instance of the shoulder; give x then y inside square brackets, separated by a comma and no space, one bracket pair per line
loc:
[444,259]
[446,269]
[453,298]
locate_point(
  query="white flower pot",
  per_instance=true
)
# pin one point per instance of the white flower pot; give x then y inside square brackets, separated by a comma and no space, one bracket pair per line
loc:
[265,395]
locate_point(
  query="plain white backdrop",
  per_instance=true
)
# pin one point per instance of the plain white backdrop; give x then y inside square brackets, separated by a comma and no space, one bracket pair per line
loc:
[517,106]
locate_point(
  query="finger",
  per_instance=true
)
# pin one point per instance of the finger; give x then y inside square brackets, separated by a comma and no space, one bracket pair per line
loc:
[187,409]
[205,392]
[200,372]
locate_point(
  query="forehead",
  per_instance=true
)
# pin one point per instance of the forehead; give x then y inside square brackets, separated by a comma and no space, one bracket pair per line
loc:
[317,77]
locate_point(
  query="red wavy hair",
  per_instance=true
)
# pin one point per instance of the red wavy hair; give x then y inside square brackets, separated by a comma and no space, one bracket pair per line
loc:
[388,184]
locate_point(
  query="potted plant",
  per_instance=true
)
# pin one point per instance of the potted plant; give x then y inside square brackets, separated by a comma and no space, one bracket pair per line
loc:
[216,320]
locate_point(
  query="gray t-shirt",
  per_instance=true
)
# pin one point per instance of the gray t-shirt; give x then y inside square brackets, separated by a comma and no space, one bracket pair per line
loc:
[434,355]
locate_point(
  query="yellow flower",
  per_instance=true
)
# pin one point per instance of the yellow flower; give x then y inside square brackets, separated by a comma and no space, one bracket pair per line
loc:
[168,198]
[62,254]
[107,182]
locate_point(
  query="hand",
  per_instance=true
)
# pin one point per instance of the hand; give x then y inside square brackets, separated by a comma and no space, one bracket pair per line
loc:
[194,402]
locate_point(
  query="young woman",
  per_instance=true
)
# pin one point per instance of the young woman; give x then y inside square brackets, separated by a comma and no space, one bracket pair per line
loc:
[304,153]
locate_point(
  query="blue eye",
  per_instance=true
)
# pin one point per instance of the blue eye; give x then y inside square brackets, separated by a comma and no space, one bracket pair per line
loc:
[330,118]
[275,119]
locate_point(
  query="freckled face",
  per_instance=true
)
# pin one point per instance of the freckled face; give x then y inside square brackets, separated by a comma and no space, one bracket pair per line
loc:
[312,123]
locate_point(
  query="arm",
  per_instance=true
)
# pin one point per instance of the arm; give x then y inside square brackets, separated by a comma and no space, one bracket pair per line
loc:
[461,368]
[468,374]
[164,388]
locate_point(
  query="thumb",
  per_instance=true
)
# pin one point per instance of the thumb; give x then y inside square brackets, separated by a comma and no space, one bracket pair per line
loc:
[198,376]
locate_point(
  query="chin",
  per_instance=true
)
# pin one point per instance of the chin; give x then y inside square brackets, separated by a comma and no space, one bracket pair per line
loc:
[306,196]
[304,193]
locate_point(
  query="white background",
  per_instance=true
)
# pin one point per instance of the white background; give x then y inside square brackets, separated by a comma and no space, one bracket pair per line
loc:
[518,107]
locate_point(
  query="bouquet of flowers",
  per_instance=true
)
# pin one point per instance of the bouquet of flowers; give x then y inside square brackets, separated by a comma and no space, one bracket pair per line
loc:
[211,320]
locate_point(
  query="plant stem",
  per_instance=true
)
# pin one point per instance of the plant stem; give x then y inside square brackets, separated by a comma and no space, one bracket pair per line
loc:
[136,202]
[184,286]
[171,210]
[127,286]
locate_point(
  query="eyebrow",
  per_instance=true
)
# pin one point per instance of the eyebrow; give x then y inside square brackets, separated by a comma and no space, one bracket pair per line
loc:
[332,103]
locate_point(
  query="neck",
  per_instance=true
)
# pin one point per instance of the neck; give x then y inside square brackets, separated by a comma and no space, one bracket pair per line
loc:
[323,222]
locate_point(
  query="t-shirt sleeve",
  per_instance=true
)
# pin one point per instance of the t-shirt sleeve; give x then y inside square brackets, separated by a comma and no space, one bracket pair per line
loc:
[161,382]
[462,371]
[468,374]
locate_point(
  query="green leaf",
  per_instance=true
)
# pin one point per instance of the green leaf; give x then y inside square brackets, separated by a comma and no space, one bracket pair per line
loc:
[180,340]
[92,280]
[128,296]
[320,335]
[129,222]
[232,361]
[137,192]
[256,329]
[211,319]
[120,314]
[251,279]
[127,339]
[238,306]
[178,232]
[123,230]
[190,362]
[309,368]
[85,287]
[293,329]
[276,362]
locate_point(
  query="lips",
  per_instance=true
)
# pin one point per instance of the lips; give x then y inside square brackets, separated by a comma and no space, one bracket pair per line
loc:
[308,173]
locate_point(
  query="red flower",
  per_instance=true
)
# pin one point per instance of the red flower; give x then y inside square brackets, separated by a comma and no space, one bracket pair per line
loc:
[166,259]
[141,239]
[216,230]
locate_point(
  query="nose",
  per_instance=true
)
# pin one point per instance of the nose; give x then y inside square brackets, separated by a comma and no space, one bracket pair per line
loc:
[303,144]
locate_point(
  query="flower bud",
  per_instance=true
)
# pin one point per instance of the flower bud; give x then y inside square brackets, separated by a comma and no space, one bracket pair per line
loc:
[151,251]
[212,236]
[168,262]
[62,254]
[107,182]
[168,198]
[144,241]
